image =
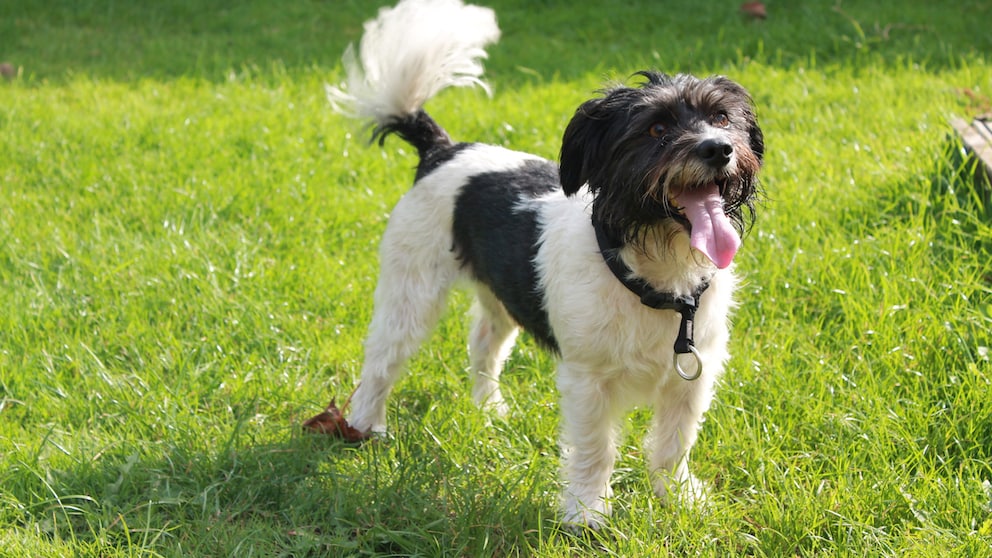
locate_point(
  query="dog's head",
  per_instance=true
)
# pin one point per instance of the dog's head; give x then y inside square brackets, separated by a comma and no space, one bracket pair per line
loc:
[676,148]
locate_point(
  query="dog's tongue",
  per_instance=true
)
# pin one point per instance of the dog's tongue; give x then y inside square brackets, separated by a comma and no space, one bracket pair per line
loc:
[712,232]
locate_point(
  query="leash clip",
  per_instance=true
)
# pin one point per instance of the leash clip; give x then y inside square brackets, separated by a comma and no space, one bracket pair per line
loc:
[684,344]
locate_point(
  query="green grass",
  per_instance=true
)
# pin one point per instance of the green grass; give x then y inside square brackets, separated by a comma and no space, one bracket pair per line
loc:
[188,256]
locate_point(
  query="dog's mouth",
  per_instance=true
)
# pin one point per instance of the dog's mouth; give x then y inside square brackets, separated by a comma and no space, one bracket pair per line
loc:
[711,231]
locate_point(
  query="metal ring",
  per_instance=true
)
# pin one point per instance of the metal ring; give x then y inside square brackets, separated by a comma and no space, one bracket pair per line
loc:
[678,367]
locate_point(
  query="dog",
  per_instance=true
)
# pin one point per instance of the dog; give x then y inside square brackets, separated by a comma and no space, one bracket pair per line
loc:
[618,259]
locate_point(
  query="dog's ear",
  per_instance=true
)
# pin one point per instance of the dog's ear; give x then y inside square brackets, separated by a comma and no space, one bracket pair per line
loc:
[581,145]
[756,136]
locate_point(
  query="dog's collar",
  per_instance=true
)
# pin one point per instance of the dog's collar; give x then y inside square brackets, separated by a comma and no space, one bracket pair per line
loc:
[685,305]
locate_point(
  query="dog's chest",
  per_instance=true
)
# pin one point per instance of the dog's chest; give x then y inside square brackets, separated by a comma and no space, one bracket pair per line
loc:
[603,328]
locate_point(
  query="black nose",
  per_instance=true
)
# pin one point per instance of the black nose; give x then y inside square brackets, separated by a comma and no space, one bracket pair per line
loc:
[715,152]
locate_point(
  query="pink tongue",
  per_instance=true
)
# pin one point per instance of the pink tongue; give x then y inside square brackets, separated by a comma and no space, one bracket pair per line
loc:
[712,232]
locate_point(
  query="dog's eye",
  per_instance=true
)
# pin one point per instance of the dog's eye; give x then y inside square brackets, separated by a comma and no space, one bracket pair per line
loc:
[720,120]
[657,130]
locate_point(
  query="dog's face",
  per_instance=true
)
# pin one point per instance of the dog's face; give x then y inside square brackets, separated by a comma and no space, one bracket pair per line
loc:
[645,150]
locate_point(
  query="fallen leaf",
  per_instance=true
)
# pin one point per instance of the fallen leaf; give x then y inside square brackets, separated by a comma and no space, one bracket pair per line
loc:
[333,423]
[754,9]
[979,103]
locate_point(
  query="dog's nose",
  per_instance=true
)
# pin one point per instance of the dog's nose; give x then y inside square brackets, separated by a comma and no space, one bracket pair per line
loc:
[715,152]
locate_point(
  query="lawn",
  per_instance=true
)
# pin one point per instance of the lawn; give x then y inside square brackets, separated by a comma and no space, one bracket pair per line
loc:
[188,251]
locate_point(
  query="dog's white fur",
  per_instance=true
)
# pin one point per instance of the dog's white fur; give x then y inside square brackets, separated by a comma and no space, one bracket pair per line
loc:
[615,352]
[410,53]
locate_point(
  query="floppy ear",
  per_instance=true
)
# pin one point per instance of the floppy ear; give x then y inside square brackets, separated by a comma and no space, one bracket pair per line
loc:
[756,136]
[581,145]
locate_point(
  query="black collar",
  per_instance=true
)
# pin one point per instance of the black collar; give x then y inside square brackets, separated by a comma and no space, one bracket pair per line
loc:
[685,305]
[610,248]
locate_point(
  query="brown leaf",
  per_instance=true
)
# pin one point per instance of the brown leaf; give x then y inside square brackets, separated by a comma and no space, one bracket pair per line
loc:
[754,9]
[980,104]
[333,423]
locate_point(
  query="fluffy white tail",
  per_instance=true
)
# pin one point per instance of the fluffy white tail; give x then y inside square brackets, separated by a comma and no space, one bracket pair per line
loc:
[411,52]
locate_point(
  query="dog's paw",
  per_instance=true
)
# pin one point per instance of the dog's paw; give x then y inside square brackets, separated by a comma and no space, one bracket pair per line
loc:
[577,516]
[688,491]
[586,519]
[490,399]
[495,406]
[369,420]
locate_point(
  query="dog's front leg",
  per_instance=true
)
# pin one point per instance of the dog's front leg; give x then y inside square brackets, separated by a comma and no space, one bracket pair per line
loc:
[676,426]
[588,437]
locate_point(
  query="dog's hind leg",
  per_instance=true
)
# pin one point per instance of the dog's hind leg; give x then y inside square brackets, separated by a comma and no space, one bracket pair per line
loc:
[414,281]
[490,343]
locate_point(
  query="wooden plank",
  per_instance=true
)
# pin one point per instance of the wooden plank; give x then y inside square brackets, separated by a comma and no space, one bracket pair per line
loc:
[977,137]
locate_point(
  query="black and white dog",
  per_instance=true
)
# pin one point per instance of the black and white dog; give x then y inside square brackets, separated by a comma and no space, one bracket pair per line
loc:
[618,259]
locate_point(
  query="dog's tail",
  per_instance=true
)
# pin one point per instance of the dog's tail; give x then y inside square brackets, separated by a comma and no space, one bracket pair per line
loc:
[407,55]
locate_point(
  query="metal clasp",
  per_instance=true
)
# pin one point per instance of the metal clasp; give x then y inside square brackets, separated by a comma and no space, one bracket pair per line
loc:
[678,366]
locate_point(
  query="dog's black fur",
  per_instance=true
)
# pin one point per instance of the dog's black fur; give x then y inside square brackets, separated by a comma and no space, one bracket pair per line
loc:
[497,234]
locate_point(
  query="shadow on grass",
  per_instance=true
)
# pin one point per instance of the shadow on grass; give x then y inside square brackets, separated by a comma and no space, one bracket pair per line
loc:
[212,39]
[304,496]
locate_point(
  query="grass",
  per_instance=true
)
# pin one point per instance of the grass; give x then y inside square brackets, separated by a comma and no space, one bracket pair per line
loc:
[188,256]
